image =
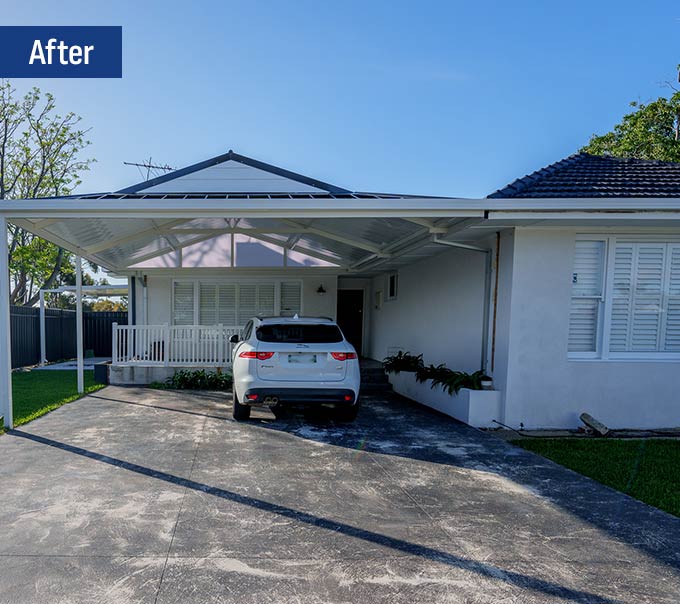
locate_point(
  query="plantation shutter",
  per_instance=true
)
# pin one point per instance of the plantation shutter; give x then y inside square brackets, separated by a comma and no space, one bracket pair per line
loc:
[645,329]
[247,302]
[672,331]
[586,296]
[183,304]
[207,304]
[265,299]
[622,293]
[291,298]
[226,304]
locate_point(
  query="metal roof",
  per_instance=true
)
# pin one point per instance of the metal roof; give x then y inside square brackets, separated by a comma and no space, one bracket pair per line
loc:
[241,159]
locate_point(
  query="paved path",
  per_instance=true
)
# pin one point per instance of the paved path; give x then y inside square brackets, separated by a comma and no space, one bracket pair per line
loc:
[132,495]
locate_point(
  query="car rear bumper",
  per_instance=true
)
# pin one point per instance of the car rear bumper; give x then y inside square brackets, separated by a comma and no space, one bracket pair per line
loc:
[301,396]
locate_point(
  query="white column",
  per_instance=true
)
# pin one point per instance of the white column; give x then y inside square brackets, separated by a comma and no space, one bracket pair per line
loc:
[79,324]
[130,298]
[43,345]
[5,335]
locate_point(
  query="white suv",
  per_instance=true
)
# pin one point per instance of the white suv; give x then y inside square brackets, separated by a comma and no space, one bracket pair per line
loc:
[284,361]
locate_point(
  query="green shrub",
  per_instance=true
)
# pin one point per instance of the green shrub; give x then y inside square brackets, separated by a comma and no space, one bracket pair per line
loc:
[199,379]
[403,361]
[451,381]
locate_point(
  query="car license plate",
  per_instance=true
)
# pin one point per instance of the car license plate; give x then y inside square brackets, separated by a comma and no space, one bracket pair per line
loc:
[302,358]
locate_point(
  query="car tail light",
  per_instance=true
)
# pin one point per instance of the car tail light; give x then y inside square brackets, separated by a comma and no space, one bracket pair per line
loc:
[349,397]
[261,356]
[344,356]
[251,397]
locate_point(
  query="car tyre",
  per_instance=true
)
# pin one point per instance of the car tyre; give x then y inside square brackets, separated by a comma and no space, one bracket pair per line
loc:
[347,414]
[241,412]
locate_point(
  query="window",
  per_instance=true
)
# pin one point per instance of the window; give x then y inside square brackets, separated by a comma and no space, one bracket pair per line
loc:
[586,296]
[300,333]
[291,299]
[625,299]
[392,286]
[231,303]
[183,303]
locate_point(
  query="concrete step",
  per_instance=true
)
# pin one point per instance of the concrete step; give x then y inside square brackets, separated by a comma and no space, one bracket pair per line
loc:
[365,388]
[378,378]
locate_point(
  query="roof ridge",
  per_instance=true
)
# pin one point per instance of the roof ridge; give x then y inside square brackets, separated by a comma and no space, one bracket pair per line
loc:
[233,156]
[520,184]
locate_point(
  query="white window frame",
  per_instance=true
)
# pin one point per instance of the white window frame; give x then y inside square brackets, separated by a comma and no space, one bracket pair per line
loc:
[236,280]
[602,352]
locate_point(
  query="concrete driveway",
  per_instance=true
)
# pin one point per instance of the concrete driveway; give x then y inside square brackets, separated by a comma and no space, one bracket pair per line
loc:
[133,495]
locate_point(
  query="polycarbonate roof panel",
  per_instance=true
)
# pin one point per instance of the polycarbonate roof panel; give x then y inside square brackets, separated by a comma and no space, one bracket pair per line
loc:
[119,243]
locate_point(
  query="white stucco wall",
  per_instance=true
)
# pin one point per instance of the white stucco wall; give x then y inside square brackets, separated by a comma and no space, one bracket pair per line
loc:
[543,387]
[159,293]
[439,311]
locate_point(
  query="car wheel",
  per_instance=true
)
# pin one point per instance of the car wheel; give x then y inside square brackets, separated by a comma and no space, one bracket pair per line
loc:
[241,412]
[347,414]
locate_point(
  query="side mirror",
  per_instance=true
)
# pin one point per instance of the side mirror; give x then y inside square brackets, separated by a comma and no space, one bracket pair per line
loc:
[235,338]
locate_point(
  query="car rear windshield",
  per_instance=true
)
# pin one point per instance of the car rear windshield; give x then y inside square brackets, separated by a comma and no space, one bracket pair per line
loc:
[308,333]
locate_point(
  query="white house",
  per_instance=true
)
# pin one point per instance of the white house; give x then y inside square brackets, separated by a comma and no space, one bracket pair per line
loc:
[563,286]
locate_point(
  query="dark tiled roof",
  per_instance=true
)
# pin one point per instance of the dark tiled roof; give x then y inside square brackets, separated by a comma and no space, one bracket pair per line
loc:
[585,175]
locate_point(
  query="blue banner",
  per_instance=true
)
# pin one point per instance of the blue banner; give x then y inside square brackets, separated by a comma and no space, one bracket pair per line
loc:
[61,52]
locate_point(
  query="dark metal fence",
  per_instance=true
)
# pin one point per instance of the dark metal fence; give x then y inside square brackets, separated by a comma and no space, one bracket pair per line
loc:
[60,333]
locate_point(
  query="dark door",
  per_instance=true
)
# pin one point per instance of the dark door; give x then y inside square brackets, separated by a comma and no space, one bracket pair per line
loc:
[351,315]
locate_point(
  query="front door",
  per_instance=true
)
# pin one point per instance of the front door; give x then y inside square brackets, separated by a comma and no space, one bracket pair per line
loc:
[351,315]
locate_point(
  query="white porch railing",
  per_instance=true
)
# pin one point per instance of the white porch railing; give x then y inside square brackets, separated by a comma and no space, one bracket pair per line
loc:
[173,345]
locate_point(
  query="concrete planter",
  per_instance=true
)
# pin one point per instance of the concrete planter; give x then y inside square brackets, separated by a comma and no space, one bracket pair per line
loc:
[477,408]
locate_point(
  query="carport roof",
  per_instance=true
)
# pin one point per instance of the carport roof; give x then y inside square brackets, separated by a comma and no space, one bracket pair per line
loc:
[348,231]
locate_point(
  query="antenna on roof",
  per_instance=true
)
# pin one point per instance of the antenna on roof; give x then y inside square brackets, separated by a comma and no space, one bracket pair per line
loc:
[152,170]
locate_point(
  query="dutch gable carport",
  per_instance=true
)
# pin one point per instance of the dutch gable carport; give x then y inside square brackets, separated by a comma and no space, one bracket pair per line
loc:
[355,233]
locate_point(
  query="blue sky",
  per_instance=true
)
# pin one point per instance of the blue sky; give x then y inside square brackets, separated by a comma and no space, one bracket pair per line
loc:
[438,98]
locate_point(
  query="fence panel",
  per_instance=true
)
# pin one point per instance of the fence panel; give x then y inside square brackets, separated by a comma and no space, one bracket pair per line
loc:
[60,333]
[25,336]
[97,329]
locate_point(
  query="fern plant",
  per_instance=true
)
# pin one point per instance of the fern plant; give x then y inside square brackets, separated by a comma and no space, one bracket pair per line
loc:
[449,380]
[403,361]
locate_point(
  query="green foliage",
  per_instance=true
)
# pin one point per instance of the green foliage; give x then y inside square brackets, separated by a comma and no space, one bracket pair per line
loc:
[402,361]
[37,392]
[650,131]
[199,379]
[449,380]
[648,470]
[40,156]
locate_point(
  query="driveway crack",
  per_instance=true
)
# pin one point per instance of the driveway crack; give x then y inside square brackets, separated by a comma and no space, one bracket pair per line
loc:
[179,511]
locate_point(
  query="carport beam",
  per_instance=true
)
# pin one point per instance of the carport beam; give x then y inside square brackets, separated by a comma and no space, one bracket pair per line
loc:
[79,324]
[6,344]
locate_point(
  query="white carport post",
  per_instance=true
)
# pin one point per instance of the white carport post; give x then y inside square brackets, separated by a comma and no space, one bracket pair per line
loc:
[43,345]
[79,324]
[5,339]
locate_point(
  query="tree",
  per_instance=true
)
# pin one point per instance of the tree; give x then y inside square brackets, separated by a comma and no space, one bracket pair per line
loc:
[40,156]
[650,131]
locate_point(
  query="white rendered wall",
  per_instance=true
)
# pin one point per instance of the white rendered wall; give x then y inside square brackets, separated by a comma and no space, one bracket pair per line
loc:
[439,311]
[544,388]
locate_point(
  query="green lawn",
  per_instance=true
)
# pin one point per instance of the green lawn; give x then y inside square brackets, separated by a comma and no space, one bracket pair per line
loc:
[648,470]
[38,392]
